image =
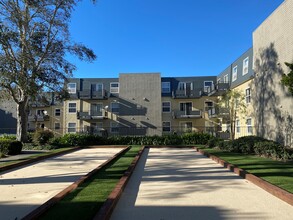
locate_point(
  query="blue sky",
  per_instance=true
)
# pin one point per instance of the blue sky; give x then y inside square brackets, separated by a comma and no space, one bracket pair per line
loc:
[174,37]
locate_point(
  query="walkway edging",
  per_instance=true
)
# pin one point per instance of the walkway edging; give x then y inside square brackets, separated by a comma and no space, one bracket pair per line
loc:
[270,188]
[106,210]
[35,214]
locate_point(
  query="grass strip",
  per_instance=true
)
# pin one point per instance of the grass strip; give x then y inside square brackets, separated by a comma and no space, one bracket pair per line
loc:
[21,160]
[275,172]
[88,198]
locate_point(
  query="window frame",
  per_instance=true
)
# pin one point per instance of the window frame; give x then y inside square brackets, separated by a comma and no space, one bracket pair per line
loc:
[57,128]
[113,89]
[168,87]
[248,96]
[69,89]
[72,107]
[234,73]
[245,66]
[166,107]
[226,78]
[71,127]
[55,112]
[206,87]
[164,127]
[249,126]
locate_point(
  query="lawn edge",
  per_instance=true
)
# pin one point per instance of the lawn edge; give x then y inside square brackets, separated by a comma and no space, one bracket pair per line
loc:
[36,213]
[36,159]
[106,210]
[270,188]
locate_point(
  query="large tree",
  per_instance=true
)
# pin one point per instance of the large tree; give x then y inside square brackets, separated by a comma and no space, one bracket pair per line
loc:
[234,102]
[34,42]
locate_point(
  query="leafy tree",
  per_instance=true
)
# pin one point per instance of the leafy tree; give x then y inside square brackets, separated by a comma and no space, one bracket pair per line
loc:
[234,102]
[287,80]
[34,40]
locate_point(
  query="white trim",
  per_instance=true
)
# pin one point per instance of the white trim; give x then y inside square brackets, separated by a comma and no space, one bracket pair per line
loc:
[114,89]
[168,86]
[247,126]
[234,74]
[247,96]
[226,77]
[163,107]
[212,86]
[245,68]
[71,127]
[69,107]
[55,125]
[73,90]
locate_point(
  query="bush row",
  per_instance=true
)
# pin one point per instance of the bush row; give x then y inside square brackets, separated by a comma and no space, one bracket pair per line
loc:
[86,139]
[253,145]
[10,146]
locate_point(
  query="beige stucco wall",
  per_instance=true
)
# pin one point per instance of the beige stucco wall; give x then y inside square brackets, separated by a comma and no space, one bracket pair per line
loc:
[273,46]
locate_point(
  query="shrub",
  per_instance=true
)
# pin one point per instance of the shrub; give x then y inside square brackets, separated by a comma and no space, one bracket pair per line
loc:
[42,136]
[196,138]
[246,144]
[10,147]
[214,142]
[272,150]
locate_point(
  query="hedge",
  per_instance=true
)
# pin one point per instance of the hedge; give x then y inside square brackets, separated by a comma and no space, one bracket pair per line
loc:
[10,147]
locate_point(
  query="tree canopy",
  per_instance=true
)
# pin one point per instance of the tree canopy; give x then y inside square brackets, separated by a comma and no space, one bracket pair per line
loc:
[287,80]
[34,42]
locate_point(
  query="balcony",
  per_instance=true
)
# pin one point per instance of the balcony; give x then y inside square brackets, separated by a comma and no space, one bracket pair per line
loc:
[179,94]
[218,112]
[38,118]
[92,115]
[218,89]
[88,94]
[187,114]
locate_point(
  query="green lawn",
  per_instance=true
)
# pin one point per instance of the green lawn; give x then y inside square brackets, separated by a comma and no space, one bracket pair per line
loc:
[86,200]
[4,164]
[275,172]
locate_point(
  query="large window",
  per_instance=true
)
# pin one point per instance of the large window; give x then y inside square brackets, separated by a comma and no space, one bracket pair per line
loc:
[57,126]
[208,86]
[71,127]
[97,87]
[248,95]
[114,87]
[166,107]
[72,107]
[249,125]
[234,73]
[166,126]
[237,126]
[71,88]
[245,66]
[166,87]
[181,86]
[57,112]
[115,107]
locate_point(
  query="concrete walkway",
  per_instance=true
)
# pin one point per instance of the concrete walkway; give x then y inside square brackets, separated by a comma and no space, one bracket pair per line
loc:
[182,184]
[24,189]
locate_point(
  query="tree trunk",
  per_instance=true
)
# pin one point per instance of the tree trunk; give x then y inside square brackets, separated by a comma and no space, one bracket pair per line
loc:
[22,119]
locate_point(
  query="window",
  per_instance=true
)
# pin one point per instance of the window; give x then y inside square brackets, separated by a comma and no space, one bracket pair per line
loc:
[114,87]
[71,88]
[166,107]
[248,95]
[166,87]
[209,105]
[185,106]
[245,66]
[186,126]
[237,125]
[114,127]
[208,86]
[97,126]
[57,126]
[57,112]
[249,125]
[226,79]
[71,107]
[71,127]
[234,73]
[166,126]
[181,86]
[115,107]
[40,112]
[97,87]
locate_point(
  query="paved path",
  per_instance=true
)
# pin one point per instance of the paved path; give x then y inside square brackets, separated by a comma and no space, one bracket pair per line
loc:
[22,190]
[182,184]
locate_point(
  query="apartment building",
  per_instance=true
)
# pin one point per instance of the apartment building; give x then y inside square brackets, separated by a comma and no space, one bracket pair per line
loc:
[138,104]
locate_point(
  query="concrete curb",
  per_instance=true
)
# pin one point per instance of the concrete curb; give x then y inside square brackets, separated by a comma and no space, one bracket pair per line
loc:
[270,188]
[109,205]
[35,214]
[37,159]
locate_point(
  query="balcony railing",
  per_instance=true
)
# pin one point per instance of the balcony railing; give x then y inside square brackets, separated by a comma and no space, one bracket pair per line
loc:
[38,118]
[218,89]
[187,114]
[218,112]
[92,115]
[195,93]
[89,94]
